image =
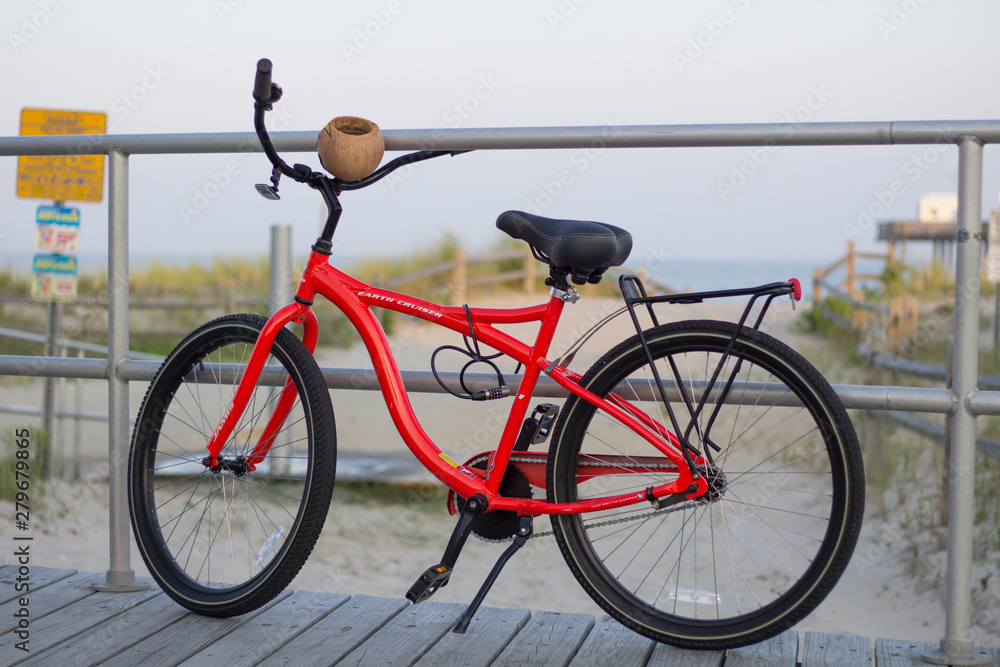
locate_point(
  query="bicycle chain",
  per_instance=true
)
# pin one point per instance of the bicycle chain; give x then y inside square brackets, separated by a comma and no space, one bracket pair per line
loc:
[599,524]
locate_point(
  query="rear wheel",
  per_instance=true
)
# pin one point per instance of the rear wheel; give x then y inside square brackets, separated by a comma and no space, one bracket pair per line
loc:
[786,488]
[226,541]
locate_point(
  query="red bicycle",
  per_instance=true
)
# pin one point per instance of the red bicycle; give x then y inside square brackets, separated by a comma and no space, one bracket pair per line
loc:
[704,482]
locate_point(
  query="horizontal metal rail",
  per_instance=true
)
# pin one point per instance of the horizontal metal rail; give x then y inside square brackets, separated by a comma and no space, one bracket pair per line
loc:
[69,344]
[965,401]
[859,397]
[611,136]
[37,412]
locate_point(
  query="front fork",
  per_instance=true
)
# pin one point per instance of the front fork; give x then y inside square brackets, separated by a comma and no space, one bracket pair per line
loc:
[297,313]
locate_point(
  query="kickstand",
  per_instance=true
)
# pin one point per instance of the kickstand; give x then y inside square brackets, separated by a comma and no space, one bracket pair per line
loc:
[524,529]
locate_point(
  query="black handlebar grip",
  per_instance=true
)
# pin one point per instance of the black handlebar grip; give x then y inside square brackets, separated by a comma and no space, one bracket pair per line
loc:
[262,83]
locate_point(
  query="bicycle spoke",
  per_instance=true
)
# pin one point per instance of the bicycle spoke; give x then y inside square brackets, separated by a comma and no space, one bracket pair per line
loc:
[739,550]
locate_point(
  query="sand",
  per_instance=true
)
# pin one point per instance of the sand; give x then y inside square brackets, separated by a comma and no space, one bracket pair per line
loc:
[376,549]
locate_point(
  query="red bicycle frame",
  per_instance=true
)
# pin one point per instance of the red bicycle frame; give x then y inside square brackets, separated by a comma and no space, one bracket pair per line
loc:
[355,298]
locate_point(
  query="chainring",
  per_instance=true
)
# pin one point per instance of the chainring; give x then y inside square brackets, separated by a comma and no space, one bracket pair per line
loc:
[500,524]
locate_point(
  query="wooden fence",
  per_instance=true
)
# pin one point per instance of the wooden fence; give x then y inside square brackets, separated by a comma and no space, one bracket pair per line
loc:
[462,273]
[902,311]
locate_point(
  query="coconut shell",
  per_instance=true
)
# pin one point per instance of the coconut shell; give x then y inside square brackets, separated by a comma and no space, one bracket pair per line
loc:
[350,148]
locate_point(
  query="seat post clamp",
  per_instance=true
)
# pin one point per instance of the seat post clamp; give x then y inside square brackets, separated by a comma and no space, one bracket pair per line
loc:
[569,296]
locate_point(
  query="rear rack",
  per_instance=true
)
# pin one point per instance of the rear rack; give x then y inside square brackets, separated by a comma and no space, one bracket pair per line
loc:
[634,293]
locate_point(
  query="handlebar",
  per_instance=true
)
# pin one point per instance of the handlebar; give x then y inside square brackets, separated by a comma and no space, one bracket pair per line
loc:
[264,94]
[262,82]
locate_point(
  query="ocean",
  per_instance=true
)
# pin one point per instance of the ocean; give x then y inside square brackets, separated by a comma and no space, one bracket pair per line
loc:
[697,275]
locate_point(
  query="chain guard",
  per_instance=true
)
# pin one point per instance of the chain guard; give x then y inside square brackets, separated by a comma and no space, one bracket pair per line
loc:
[501,524]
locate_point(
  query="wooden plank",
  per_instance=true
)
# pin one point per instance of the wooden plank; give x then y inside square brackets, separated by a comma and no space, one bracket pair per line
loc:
[39,577]
[779,651]
[902,653]
[489,633]
[114,635]
[267,632]
[823,650]
[183,639]
[549,638]
[671,656]
[76,618]
[408,635]
[610,642]
[49,599]
[338,633]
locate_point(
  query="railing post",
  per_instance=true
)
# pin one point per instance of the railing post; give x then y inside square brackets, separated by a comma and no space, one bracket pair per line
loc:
[281,295]
[957,647]
[874,427]
[47,454]
[459,277]
[119,577]
[946,449]
[77,423]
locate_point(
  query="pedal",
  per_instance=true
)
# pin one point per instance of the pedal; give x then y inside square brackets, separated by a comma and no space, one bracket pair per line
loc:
[429,582]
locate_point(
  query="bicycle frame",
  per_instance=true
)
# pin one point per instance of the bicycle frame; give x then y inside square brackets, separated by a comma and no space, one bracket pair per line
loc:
[355,298]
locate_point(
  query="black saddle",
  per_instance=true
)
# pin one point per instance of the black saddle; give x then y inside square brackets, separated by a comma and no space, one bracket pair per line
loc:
[584,250]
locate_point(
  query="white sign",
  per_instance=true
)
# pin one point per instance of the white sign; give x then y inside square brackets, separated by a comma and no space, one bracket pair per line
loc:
[57,230]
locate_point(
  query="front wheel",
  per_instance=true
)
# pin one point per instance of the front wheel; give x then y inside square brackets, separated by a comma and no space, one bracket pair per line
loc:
[772,536]
[227,540]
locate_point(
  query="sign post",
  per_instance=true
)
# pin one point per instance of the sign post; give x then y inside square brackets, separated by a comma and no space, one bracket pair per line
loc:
[78,177]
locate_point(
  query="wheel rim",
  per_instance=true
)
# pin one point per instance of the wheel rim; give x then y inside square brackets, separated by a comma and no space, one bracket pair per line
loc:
[749,553]
[224,529]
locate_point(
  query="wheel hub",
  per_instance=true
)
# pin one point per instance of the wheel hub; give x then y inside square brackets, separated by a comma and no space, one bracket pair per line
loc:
[716,480]
[237,465]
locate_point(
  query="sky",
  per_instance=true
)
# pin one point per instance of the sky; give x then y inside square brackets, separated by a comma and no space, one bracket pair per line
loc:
[188,66]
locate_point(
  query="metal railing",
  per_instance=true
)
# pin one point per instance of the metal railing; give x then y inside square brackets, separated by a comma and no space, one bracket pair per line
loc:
[964,401]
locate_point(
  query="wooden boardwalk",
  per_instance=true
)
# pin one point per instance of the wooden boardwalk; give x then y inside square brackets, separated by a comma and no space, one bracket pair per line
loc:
[70,624]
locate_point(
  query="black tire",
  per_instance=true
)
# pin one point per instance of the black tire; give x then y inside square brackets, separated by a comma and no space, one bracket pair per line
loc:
[225,543]
[768,545]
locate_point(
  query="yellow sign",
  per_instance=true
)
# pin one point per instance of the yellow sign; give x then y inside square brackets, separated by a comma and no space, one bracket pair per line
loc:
[61,177]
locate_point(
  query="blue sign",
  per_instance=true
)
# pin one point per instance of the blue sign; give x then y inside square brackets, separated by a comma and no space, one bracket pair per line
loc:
[61,215]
